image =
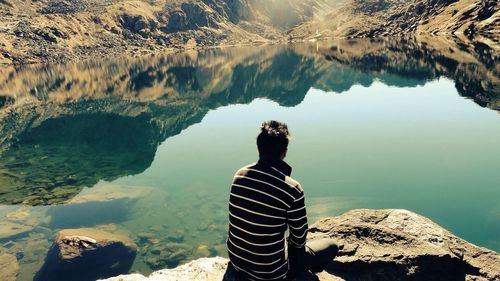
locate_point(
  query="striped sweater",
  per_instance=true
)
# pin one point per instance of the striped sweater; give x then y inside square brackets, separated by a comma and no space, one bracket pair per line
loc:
[264,203]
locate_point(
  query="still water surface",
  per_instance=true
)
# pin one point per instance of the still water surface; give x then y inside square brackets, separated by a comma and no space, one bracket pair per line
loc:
[154,158]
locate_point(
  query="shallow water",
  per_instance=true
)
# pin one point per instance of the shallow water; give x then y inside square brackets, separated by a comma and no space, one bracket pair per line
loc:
[147,147]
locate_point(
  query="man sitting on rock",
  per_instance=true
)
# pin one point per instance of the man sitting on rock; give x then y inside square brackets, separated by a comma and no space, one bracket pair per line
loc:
[264,203]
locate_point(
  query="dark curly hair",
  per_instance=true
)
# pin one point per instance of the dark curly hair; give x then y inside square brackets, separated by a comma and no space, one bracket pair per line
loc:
[273,139]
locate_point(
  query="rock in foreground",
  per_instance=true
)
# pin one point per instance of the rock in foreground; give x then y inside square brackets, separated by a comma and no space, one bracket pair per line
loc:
[204,269]
[87,254]
[401,245]
[378,245]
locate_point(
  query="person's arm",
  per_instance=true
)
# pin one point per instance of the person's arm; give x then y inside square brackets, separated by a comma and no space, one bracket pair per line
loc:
[297,226]
[297,222]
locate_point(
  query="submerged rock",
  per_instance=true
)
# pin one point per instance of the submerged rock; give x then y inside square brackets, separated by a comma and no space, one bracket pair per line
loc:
[203,250]
[378,245]
[10,230]
[110,192]
[176,237]
[9,267]
[168,255]
[87,254]
[51,162]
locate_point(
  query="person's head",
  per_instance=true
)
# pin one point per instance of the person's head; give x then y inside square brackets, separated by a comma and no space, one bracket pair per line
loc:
[273,139]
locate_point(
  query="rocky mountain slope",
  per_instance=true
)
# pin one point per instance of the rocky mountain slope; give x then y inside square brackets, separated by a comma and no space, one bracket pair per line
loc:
[35,31]
[42,31]
[371,18]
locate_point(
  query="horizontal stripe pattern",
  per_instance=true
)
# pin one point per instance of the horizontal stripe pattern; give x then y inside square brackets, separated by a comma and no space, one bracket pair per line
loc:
[264,203]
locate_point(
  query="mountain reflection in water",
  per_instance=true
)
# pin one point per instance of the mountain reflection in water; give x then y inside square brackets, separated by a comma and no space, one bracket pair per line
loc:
[65,127]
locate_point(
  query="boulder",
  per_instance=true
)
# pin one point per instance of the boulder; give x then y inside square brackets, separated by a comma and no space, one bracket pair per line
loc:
[177,21]
[377,245]
[204,269]
[137,23]
[51,34]
[401,245]
[87,254]
[9,267]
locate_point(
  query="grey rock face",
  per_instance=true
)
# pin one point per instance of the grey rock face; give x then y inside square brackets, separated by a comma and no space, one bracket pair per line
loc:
[401,245]
[87,254]
[378,245]
[204,269]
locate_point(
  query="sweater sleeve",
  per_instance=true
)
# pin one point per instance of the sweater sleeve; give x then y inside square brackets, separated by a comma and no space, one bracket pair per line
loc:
[297,222]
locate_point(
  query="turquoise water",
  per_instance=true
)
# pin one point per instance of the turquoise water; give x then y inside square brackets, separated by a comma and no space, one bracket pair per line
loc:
[154,160]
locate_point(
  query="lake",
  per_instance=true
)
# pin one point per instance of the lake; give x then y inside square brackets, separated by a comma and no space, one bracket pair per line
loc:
[147,146]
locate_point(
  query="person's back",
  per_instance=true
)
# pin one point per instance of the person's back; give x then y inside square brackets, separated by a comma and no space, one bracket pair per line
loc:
[264,203]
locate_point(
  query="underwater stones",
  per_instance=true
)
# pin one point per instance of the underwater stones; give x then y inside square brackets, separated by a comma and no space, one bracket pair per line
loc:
[202,250]
[220,249]
[87,254]
[158,249]
[144,237]
[158,227]
[88,214]
[109,192]
[29,252]
[168,255]
[9,268]
[18,215]
[23,216]
[69,152]
[9,230]
[101,204]
[177,237]
[389,245]
[31,248]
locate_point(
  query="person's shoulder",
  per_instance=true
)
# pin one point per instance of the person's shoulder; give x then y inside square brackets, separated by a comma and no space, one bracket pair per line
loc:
[294,184]
[243,170]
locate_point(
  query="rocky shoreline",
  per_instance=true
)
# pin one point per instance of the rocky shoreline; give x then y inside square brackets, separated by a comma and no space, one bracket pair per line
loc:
[390,244]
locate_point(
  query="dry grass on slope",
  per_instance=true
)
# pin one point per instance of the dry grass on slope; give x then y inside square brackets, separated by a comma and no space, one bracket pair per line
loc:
[372,18]
[43,31]
[64,30]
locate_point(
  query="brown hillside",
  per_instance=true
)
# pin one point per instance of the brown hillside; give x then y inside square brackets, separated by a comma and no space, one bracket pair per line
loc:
[47,31]
[35,31]
[371,18]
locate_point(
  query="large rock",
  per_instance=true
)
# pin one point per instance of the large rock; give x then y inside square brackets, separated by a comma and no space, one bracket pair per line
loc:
[204,269]
[87,254]
[378,245]
[9,267]
[401,245]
